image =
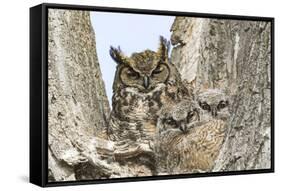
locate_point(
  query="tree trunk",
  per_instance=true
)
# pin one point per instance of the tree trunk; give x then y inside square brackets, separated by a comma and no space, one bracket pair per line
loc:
[235,56]
[227,54]
[77,102]
[78,108]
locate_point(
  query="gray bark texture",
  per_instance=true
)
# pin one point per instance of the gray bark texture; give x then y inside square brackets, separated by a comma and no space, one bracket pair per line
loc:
[78,108]
[225,54]
[78,105]
[234,56]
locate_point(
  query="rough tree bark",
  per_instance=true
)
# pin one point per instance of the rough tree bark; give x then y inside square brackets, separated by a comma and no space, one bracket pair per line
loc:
[235,56]
[78,105]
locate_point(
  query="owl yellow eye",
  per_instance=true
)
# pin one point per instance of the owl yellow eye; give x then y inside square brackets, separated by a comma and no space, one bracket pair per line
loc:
[205,106]
[132,74]
[192,116]
[170,121]
[222,105]
[159,69]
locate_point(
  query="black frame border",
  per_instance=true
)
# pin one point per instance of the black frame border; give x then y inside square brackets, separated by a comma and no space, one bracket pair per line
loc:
[39,92]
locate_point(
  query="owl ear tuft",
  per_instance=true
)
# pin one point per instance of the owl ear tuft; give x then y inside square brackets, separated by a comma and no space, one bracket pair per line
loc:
[163,49]
[117,55]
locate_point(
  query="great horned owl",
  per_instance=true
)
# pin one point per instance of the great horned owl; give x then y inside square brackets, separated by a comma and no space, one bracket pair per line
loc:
[188,141]
[214,104]
[144,82]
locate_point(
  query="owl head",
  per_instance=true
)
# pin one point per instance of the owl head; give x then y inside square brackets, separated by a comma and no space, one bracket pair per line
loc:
[180,117]
[144,70]
[214,104]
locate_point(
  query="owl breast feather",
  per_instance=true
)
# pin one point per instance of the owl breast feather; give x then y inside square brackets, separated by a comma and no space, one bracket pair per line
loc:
[137,106]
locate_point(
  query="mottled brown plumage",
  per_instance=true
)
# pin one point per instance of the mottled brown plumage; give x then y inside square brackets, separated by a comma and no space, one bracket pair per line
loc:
[144,82]
[188,138]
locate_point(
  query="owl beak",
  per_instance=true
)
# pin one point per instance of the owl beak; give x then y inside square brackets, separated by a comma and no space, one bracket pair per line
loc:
[184,128]
[146,82]
[214,112]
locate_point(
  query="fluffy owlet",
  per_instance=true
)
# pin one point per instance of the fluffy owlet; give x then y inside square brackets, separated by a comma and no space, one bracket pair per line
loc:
[214,104]
[188,141]
[143,83]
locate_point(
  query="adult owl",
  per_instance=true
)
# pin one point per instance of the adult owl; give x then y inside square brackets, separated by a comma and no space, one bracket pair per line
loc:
[143,83]
[191,134]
